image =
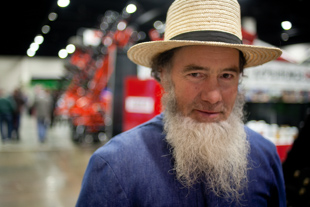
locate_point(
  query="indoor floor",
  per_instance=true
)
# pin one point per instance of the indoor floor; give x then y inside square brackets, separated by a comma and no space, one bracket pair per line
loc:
[45,174]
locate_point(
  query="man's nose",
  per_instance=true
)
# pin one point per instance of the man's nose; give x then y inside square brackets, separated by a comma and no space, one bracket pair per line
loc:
[211,91]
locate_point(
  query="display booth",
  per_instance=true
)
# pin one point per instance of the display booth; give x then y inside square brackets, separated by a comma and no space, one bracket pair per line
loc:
[277,97]
[141,102]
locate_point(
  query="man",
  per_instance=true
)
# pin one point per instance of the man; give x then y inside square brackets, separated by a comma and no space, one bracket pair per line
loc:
[7,109]
[197,152]
[20,101]
[296,167]
[42,106]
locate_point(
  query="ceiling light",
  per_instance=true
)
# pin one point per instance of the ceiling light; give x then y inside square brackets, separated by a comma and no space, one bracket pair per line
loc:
[131,8]
[63,3]
[34,46]
[52,16]
[70,48]
[30,53]
[62,53]
[46,29]
[39,39]
[286,25]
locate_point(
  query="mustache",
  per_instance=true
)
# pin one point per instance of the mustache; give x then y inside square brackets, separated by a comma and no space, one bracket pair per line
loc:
[205,106]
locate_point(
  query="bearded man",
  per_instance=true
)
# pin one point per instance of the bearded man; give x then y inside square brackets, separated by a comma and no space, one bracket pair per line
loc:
[198,151]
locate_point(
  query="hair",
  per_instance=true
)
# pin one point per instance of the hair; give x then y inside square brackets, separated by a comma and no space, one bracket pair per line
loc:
[164,60]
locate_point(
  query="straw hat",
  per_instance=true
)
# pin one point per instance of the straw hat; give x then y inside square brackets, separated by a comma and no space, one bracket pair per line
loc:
[203,22]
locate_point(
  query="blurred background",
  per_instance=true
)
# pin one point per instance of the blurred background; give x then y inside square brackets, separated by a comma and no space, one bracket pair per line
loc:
[67,87]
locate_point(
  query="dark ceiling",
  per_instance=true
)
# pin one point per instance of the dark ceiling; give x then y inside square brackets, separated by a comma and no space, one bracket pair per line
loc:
[24,21]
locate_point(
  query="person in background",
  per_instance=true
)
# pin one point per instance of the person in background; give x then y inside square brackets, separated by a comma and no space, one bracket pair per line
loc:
[7,109]
[296,167]
[198,151]
[42,107]
[20,100]
[55,96]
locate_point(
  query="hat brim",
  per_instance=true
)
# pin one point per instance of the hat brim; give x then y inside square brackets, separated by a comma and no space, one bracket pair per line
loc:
[143,53]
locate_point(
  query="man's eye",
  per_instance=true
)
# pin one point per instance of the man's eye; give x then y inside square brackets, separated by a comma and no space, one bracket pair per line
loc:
[227,76]
[195,75]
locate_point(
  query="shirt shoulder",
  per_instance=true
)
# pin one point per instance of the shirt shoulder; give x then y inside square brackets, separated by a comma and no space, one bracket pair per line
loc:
[134,140]
[139,161]
[265,172]
[260,144]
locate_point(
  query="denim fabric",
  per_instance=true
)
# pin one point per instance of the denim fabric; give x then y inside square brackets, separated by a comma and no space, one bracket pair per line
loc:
[6,120]
[134,169]
[42,129]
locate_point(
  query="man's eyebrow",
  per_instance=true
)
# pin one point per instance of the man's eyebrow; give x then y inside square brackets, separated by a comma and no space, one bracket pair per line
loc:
[232,69]
[192,67]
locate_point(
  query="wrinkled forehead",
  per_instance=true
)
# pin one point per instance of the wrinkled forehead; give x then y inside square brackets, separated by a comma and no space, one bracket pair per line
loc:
[206,56]
[199,53]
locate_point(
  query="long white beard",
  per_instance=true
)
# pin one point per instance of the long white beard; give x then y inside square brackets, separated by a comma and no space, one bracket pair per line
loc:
[214,153]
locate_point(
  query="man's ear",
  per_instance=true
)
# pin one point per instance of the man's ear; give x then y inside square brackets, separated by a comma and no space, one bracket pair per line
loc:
[161,74]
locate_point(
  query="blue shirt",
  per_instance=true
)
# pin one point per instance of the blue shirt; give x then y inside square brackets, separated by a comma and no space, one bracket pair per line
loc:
[134,169]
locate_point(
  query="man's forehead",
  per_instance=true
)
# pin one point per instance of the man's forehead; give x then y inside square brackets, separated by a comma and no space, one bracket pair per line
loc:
[197,56]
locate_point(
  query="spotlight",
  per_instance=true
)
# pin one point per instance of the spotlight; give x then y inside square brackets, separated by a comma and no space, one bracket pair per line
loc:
[286,25]
[70,48]
[39,39]
[63,3]
[52,16]
[46,29]
[30,53]
[62,53]
[131,8]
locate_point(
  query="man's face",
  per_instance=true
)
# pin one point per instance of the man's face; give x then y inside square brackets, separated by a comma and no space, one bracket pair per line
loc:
[205,81]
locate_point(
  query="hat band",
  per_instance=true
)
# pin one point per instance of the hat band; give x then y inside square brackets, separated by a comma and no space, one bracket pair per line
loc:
[213,36]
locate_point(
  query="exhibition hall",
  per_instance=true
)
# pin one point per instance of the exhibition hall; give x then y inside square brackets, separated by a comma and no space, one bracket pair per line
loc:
[101,103]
